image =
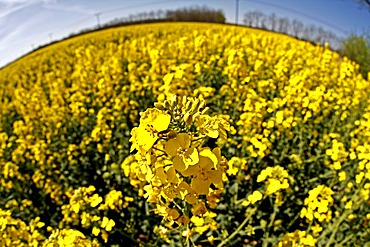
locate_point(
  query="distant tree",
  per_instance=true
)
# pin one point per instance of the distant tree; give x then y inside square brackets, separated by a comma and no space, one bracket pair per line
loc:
[297,28]
[357,48]
[199,14]
[160,14]
[151,15]
[283,25]
[294,28]
[272,22]
[248,19]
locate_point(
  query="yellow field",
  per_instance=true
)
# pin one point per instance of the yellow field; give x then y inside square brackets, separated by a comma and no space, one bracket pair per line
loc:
[286,134]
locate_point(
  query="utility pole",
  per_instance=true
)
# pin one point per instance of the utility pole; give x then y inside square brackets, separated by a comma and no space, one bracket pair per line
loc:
[98,19]
[236,11]
[51,37]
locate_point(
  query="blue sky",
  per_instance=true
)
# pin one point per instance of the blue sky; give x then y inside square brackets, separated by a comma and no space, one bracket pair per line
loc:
[26,24]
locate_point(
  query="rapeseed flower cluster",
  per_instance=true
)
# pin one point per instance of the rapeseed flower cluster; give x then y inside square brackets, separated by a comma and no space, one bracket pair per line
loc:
[297,238]
[276,179]
[174,161]
[318,204]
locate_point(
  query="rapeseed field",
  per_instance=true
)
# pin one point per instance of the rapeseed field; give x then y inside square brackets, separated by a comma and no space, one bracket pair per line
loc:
[184,134]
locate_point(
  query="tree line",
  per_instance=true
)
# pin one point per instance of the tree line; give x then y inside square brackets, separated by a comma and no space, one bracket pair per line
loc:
[197,14]
[355,47]
[295,28]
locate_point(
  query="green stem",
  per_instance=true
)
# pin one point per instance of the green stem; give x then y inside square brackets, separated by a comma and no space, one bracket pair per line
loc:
[335,228]
[345,240]
[159,150]
[272,219]
[309,227]
[239,228]
[236,192]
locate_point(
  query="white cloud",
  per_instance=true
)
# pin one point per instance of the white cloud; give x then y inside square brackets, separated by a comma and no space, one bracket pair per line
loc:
[15,2]
[69,8]
[20,33]
[10,6]
[7,10]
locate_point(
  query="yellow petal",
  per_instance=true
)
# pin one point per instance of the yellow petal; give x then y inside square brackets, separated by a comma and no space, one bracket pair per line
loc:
[209,154]
[191,199]
[171,175]
[205,163]
[145,139]
[173,213]
[191,157]
[168,78]
[97,200]
[104,222]
[183,139]
[95,231]
[199,208]
[198,221]
[161,122]
[215,176]
[200,185]
[212,133]
[161,175]
[171,147]
[192,170]
[75,208]
[110,225]
[178,164]
[183,187]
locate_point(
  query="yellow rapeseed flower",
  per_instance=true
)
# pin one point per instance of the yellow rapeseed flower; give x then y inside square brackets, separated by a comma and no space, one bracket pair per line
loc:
[184,154]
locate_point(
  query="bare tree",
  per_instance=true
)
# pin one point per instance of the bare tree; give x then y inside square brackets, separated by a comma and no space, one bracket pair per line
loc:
[272,21]
[151,15]
[160,14]
[297,28]
[291,27]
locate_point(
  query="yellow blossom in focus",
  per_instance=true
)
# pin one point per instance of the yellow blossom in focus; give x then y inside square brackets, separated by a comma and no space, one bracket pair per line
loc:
[184,154]
[146,134]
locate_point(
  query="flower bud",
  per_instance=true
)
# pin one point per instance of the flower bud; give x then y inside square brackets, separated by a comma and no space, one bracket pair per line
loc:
[171,134]
[188,119]
[205,110]
[195,105]
[159,106]
[173,101]
[188,106]
[201,105]
[167,105]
